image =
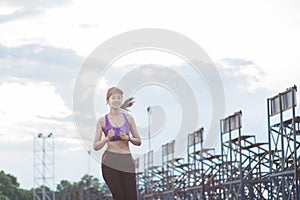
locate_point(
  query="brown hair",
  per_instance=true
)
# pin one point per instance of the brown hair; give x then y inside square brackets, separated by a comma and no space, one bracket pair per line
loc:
[112,90]
[127,103]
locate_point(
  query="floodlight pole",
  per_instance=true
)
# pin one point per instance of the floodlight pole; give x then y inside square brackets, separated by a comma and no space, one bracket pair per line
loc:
[149,109]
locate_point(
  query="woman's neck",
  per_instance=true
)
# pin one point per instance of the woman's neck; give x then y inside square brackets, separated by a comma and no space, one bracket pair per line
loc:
[114,112]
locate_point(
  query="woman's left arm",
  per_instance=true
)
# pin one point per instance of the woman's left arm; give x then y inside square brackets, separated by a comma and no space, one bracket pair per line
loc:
[135,139]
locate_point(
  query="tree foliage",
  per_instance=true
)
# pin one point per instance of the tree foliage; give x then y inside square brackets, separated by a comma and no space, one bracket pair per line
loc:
[10,188]
[64,184]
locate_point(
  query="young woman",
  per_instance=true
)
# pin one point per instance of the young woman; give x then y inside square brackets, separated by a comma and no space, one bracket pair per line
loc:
[118,167]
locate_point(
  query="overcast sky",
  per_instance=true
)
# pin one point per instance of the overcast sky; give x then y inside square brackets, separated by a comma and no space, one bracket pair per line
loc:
[254,45]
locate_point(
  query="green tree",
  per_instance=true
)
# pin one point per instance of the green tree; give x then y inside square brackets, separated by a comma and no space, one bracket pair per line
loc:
[8,185]
[86,185]
[25,194]
[9,188]
[90,182]
[64,184]
[39,191]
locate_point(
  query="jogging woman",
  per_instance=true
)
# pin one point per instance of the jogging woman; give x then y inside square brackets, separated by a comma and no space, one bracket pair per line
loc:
[119,128]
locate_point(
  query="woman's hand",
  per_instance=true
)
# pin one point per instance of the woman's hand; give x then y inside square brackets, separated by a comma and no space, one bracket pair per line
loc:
[110,134]
[124,136]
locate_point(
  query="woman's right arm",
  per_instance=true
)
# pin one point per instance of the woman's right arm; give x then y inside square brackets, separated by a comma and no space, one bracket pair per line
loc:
[98,142]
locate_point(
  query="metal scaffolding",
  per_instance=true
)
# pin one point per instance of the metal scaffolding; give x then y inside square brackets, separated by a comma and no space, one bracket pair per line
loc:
[283,131]
[195,166]
[244,172]
[149,190]
[168,170]
[244,169]
[43,164]
[232,156]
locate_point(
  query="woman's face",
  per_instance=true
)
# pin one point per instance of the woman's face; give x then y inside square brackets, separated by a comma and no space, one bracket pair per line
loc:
[115,100]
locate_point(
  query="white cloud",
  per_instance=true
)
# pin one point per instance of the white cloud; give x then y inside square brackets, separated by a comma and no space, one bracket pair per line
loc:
[11,138]
[30,100]
[247,75]
[148,56]
[5,10]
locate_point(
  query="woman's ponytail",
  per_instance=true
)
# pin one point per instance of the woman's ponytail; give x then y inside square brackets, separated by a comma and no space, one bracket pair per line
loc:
[127,103]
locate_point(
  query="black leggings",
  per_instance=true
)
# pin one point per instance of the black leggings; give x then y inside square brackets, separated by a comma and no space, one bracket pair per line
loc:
[118,172]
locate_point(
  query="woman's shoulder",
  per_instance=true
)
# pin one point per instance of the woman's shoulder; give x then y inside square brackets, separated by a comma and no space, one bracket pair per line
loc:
[129,117]
[101,120]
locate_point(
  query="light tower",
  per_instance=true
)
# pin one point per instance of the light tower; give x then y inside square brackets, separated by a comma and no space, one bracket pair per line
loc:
[149,110]
[43,164]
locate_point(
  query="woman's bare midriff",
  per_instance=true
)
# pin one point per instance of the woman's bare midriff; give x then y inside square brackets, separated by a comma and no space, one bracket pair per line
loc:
[118,147]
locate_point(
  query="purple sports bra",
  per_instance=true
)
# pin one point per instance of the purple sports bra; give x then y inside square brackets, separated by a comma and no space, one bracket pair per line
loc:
[125,128]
